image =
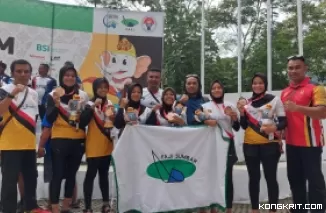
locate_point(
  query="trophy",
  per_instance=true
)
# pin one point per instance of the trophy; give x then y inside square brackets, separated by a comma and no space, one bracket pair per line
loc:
[179,108]
[131,115]
[201,115]
[267,119]
[74,108]
[108,123]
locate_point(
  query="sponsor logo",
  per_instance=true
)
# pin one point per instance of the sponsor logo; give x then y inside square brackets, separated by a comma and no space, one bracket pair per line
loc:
[172,168]
[129,23]
[48,48]
[149,24]
[110,20]
[8,45]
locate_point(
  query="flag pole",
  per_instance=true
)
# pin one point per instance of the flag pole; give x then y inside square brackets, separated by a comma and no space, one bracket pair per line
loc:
[300,29]
[202,61]
[239,49]
[269,45]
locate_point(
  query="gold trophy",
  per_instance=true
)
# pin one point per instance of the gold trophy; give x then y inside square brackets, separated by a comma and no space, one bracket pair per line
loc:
[267,119]
[131,115]
[74,108]
[108,123]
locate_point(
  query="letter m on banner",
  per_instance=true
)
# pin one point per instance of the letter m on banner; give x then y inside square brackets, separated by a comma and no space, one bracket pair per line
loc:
[8,44]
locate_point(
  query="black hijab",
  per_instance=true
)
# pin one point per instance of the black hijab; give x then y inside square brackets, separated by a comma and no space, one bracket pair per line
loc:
[69,90]
[131,103]
[218,100]
[96,84]
[262,98]
[165,107]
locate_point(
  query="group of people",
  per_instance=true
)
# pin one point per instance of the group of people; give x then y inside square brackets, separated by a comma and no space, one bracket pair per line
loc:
[64,140]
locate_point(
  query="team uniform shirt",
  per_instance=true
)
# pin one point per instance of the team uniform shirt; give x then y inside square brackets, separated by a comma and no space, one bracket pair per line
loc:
[98,143]
[19,133]
[253,135]
[148,100]
[217,113]
[302,130]
[61,127]
[43,86]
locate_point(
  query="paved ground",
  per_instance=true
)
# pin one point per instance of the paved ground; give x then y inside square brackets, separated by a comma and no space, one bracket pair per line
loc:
[238,208]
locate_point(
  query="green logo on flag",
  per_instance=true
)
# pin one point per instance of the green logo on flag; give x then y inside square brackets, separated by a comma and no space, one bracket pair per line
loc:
[172,168]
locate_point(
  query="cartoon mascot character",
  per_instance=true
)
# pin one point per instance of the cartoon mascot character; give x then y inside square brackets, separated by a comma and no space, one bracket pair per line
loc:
[119,66]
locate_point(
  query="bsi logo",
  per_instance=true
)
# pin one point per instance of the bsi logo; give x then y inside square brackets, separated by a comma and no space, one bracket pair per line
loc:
[43,48]
[8,44]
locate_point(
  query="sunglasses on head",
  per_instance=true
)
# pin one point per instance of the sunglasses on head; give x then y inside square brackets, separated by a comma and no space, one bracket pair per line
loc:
[296,57]
[192,75]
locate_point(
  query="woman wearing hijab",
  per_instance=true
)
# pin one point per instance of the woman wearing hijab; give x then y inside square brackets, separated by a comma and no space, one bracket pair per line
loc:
[159,116]
[193,97]
[228,120]
[135,92]
[99,144]
[261,144]
[67,140]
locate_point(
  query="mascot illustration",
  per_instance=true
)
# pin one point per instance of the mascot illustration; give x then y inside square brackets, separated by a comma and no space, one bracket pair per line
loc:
[121,65]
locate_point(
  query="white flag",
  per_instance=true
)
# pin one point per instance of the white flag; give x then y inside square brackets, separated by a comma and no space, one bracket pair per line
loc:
[161,169]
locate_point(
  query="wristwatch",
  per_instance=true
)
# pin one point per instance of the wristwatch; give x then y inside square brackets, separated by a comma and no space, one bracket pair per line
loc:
[10,96]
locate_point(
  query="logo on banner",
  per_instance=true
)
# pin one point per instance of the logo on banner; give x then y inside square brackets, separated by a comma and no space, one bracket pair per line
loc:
[172,168]
[129,23]
[110,21]
[149,24]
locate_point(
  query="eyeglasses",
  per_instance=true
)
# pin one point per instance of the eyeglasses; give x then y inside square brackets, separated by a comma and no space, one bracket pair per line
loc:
[296,57]
[192,75]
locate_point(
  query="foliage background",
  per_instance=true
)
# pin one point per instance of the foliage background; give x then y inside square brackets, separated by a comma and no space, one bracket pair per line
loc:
[183,31]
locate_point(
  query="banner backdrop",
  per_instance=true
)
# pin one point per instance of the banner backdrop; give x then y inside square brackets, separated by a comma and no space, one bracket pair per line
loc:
[171,168]
[117,45]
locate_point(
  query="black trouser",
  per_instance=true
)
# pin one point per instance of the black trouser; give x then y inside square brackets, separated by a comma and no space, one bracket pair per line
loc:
[304,163]
[100,164]
[66,159]
[269,155]
[232,159]
[41,111]
[12,164]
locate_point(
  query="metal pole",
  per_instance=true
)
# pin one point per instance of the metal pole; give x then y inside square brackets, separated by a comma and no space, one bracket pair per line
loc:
[269,45]
[300,30]
[239,49]
[202,61]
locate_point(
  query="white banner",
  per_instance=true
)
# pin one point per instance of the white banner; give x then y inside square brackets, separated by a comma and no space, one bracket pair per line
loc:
[161,169]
